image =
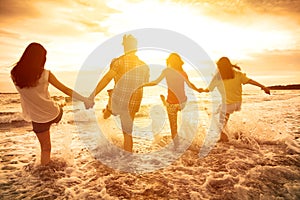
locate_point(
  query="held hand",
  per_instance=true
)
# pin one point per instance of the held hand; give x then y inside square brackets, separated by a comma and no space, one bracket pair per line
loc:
[89,103]
[202,90]
[267,90]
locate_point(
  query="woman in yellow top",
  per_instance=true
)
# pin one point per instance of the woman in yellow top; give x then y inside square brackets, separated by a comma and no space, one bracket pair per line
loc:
[229,82]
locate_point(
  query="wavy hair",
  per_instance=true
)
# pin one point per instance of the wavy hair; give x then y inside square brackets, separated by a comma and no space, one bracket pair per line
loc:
[226,69]
[29,68]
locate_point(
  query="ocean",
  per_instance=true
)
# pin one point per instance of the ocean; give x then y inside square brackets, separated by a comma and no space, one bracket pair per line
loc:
[260,161]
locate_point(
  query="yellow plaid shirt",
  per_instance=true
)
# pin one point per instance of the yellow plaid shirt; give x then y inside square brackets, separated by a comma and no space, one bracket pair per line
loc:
[131,73]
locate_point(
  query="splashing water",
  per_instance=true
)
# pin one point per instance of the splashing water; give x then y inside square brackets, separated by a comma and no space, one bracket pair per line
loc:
[260,161]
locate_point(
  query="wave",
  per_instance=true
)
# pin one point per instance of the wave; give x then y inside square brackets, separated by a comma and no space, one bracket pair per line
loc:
[8,101]
[11,118]
[14,98]
[10,105]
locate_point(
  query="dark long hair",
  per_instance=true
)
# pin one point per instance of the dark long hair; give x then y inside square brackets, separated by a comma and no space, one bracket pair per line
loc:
[175,61]
[29,68]
[226,69]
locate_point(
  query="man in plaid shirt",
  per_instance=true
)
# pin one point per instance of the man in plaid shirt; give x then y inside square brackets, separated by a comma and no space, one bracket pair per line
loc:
[129,73]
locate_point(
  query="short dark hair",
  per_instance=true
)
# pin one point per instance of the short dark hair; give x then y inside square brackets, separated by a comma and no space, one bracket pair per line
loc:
[129,43]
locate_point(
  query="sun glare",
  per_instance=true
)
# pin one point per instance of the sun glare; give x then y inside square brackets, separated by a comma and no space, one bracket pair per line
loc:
[216,37]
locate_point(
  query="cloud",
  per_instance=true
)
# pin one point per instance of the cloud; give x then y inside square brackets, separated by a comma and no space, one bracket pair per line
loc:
[275,6]
[17,10]
[238,6]
[246,10]
[10,34]
[79,16]
[61,18]
[225,26]
[276,60]
[67,28]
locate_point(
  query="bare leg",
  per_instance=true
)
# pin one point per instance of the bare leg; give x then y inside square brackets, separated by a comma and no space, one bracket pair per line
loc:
[45,142]
[172,115]
[128,142]
[224,137]
[226,119]
[127,125]
[107,110]
[173,124]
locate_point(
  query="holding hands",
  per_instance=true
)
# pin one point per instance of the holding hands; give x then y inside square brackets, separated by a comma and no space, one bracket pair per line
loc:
[89,102]
[202,90]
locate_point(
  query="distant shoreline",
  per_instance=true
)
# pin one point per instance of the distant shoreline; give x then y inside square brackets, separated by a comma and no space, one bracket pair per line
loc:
[285,87]
[273,87]
[8,93]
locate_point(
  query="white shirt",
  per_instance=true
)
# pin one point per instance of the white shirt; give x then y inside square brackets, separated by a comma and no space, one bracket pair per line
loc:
[36,102]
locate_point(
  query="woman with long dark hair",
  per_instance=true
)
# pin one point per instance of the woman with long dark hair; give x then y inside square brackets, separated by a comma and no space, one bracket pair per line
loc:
[31,81]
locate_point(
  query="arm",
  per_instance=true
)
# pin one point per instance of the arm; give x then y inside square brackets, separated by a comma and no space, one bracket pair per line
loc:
[252,82]
[155,82]
[57,84]
[103,83]
[213,83]
[192,86]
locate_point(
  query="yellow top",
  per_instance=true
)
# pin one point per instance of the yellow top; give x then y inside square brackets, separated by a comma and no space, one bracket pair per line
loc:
[230,89]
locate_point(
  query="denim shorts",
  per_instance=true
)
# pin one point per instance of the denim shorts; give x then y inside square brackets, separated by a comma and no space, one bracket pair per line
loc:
[42,127]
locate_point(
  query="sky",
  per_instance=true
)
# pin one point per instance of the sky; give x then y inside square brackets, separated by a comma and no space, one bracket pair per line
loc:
[262,37]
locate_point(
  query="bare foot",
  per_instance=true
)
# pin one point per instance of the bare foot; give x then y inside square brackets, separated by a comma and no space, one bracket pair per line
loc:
[223,137]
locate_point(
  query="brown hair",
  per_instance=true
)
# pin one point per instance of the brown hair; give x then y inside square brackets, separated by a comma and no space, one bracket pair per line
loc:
[30,67]
[226,68]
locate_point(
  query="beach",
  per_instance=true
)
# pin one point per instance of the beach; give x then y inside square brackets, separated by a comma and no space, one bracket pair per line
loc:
[260,161]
